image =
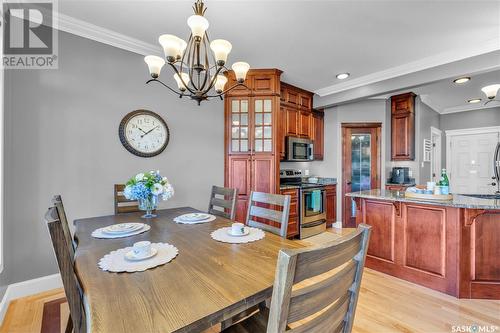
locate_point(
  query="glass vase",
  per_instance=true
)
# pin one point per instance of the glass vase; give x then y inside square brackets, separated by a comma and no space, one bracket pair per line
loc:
[148,205]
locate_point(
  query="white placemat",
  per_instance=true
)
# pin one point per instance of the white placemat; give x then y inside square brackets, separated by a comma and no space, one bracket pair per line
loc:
[222,235]
[115,260]
[210,219]
[99,233]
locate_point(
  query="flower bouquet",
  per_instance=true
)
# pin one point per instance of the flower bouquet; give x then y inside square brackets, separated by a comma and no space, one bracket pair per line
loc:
[148,188]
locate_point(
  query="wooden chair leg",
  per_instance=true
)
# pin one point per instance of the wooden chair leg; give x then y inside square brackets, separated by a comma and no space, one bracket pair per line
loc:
[69,325]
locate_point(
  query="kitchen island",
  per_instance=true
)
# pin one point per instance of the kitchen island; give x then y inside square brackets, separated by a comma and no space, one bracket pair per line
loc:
[450,246]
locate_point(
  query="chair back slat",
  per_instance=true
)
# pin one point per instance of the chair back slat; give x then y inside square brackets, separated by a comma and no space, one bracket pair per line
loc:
[122,204]
[70,281]
[327,303]
[261,209]
[223,202]
[58,204]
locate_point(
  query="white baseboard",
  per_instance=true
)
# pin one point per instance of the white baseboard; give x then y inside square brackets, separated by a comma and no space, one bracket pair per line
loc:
[26,288]
[337,225]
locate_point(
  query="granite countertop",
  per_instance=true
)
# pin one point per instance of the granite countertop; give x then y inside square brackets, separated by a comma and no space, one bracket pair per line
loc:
[458,201]
[322,181]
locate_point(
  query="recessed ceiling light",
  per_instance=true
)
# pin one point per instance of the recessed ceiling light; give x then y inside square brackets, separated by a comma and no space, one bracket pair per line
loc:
[474,100]
[461,80]
[342,76]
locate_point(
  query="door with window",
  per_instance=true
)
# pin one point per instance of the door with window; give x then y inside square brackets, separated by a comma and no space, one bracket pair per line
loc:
[360,164]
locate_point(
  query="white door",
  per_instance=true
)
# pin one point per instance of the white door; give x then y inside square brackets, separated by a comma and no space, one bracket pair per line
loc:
[471,169]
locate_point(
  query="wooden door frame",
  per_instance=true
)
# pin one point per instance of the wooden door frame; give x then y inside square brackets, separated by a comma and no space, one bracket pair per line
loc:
[344,126]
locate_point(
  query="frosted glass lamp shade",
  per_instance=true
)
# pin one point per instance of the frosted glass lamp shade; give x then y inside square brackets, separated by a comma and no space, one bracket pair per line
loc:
[221,49]
[185,78]
[182,47]
[154,64]
[220,83]
[198,25]
[491,90]
[171,46]
[240,70]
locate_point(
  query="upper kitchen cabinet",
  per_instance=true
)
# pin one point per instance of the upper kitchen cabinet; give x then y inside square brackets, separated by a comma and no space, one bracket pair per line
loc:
[403,127]
[318,133]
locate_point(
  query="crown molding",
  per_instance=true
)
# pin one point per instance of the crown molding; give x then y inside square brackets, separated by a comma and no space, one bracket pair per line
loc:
[427,101]
[91,31]
[472,107]
[425,63]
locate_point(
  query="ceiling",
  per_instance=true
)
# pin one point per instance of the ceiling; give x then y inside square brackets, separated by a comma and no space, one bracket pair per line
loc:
[312,41]
[445,96]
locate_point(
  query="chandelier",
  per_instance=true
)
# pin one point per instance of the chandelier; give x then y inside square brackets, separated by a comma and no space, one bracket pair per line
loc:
[196,69]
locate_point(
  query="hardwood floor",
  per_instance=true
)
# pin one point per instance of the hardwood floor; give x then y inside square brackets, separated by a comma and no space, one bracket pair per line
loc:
[386,304]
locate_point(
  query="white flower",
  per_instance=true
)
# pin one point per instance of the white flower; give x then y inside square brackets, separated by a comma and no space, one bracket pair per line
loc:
[168,192]
[139,177]
[157,189]
[127,192]
[165,179]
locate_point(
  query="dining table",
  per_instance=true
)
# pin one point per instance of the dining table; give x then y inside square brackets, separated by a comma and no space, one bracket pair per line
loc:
[208,282]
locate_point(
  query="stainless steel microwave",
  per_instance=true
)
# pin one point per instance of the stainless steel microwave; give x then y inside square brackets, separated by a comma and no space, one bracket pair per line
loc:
[299,150]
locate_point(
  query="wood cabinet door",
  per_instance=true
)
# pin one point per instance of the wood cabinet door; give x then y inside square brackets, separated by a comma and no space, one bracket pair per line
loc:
[238,123]
[318,134]
[239,177]
[294,211]
[292,120]
[331,205]
[305,119]
[263,125]
[403,136]
[282,133]
[305,101]
[263,173]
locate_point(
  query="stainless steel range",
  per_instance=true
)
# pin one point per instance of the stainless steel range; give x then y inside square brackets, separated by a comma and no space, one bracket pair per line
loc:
[312,203]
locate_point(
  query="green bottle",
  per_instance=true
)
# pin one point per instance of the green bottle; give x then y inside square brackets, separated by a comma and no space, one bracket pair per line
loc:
[444,182]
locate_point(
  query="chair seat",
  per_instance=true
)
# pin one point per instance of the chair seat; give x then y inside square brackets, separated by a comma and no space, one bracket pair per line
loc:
[253,324]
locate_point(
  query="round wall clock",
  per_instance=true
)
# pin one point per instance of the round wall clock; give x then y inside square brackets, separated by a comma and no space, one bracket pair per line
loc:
[144,133]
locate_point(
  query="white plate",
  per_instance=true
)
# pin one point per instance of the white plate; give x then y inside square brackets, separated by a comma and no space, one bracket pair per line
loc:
[122,228]
[133,257]
[194,217]
[246,233]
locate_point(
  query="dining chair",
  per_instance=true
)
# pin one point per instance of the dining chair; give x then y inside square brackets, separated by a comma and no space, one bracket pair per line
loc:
[225,199]
[58,204]
[261,209]
[62,249]
[315,289]
[122,204]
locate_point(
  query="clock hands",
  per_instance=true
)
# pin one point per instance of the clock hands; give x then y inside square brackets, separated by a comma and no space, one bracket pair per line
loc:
[141,130]
[151,130]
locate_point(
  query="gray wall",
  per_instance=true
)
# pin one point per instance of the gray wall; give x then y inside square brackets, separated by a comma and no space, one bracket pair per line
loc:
[426,117]
[61,131]
[471,119]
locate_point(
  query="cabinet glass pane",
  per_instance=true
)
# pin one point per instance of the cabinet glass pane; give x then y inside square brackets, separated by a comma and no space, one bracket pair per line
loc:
[258,145]
[244,132]
[267,132]
[235,145]
[244,145]
[267,118]
[361,162]
[244,106]
[258,106]
[258,119]
[236,119]
[235,132]
[244,119]
[268,145]
[267,105]
[258,132]
[235,106]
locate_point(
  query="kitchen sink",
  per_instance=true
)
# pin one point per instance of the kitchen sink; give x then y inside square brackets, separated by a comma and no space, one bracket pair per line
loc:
[484,196]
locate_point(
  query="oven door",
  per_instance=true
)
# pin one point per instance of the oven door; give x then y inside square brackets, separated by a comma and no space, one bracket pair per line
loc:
[299,150]
[311,229]
[313,205]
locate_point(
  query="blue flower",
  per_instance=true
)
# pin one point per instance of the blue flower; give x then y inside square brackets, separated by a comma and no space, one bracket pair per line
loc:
[139,191]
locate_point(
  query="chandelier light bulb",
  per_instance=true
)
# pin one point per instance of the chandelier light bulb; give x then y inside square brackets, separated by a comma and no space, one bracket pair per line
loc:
[220,82]
[240,70]
[154,64]
[491,90]
[181,85]
[221,49]
[171,46]
[198,25]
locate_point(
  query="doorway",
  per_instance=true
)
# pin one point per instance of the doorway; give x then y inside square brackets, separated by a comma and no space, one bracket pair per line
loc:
[469,160]
[361,160]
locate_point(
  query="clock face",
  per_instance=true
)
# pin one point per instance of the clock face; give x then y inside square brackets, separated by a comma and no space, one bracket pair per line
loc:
[144,133]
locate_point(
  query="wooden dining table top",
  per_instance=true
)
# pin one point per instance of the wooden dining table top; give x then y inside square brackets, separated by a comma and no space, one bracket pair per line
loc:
[208,282]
